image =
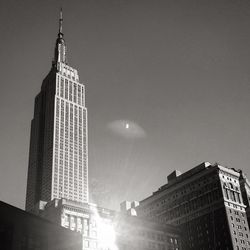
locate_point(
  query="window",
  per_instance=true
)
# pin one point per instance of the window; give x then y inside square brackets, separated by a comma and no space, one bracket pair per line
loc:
[86,243]
[62,88]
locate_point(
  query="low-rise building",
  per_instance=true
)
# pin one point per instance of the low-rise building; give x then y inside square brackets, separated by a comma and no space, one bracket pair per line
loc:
[21,230]
[106,229]
[93,223]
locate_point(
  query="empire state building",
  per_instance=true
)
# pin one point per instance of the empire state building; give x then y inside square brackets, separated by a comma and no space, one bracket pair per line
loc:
[58,156]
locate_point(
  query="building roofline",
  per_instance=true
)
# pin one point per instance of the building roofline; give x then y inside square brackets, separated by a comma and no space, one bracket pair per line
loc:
[190,173]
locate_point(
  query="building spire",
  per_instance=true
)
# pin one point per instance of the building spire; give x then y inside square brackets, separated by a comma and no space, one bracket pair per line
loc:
[60,48]
[61,21]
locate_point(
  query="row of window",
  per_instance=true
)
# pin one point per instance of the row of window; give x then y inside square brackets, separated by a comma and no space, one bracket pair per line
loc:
[70,91]
[70,152]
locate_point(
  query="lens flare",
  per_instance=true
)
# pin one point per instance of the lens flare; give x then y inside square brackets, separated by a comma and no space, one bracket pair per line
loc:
[106,235]
[127,129]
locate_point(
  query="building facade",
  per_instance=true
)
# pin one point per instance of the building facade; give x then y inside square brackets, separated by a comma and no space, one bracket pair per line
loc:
[93,223]
[58,156]
[245,190]
[206,204]
[105,229]
[134,233]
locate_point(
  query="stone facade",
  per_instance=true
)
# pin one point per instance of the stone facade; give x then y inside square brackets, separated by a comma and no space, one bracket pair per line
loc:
[245,190]
[206,204]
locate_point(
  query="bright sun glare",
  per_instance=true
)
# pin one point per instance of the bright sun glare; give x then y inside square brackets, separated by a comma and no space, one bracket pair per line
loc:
[105,234]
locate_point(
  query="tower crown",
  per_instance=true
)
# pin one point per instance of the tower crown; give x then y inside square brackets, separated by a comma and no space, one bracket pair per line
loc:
[60,48]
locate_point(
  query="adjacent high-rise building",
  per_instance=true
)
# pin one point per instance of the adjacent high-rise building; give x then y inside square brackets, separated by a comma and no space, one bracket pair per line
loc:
[58,156]
[206,204]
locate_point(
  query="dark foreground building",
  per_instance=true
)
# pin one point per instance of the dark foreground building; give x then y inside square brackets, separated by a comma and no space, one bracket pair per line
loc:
[206,204]
[20,230]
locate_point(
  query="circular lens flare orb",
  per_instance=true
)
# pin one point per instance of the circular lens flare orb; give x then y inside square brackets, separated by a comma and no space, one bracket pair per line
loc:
[127,129]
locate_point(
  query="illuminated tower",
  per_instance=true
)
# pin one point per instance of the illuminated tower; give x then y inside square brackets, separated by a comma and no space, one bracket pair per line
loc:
[58,157]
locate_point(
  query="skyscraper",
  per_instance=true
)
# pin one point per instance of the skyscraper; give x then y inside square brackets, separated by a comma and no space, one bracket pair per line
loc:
[58,156]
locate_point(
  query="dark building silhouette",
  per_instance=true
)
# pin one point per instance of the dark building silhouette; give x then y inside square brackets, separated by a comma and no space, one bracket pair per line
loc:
[206,204]
[20,230]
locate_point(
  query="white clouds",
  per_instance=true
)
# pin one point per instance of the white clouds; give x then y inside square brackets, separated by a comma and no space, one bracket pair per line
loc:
[127,129]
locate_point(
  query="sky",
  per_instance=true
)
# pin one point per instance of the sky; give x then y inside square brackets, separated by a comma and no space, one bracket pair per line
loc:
[167,87]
